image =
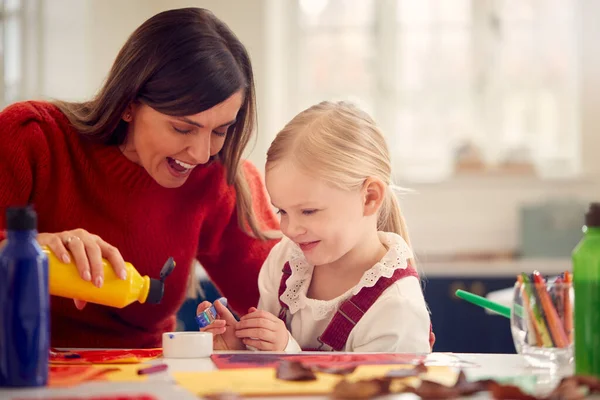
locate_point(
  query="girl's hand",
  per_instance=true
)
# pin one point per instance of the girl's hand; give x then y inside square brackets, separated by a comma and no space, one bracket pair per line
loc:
[87,250]
[262,330]
[222,328]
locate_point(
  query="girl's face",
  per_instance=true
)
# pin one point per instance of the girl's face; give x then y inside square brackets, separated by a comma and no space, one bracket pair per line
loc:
[327,223]
[170,147]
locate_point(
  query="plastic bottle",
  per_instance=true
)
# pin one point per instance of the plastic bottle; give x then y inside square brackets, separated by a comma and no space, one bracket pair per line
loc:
[65,281]
[586,286]
[24,303]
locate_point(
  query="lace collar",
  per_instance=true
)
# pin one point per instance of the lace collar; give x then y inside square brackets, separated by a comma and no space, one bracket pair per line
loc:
[297,284]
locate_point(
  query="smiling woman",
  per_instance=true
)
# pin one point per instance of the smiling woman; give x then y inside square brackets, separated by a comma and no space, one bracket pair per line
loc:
[149,168]
[170,147]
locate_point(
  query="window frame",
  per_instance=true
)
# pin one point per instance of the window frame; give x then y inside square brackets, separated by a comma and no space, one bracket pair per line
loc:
[385,97]
[29,15]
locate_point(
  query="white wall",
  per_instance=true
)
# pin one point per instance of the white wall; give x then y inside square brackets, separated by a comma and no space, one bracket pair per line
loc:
[65,48]
[481,214]
[82,38]
[590,85]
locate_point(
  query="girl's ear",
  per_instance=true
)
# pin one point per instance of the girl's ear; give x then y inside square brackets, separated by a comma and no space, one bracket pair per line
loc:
[374,192]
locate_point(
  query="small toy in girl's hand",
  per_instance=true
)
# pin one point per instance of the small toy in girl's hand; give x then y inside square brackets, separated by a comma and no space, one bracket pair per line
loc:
[205,318]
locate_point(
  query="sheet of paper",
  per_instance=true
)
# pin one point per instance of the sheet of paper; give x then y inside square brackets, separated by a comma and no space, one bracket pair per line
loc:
[72,375]
[108,356]
[125,373]
[262,381]
[259,359]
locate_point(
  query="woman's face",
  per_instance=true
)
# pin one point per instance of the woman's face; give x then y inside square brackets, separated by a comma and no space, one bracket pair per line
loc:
[170,147]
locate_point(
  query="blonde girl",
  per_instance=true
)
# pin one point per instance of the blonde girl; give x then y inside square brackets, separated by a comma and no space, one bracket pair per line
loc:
[342,278]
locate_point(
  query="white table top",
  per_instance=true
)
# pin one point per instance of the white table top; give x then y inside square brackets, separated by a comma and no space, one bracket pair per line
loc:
[163,387]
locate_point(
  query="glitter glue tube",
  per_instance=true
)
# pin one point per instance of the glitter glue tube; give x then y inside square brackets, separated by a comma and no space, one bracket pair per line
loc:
[210,314]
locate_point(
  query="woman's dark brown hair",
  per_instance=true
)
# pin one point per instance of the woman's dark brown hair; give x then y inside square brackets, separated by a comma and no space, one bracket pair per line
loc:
[179,62]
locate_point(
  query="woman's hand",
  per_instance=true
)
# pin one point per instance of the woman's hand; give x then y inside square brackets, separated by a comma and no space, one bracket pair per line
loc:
[222,328]
[262,330]
[87,251]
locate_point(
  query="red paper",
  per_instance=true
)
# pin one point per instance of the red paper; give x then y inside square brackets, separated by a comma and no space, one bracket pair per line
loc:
[103,397]
[266,360]
[111,356]
[71,375]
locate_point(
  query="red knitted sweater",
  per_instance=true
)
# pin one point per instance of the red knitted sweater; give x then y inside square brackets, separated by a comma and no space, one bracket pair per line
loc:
[74,183]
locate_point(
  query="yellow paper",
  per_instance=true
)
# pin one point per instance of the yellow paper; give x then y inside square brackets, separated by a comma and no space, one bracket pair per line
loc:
[126,372]
[262,381]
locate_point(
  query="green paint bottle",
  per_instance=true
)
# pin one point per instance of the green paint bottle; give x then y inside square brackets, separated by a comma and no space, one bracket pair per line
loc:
[586,284]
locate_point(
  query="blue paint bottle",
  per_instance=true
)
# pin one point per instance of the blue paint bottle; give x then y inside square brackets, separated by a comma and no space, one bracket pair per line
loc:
[24,303]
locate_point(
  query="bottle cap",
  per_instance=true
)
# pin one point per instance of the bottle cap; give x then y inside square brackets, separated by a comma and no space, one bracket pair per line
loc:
[592,217]
[21,219]
[157,286]
[156,292]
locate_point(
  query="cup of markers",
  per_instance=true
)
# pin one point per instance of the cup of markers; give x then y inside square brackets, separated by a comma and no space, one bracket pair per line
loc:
[541,320]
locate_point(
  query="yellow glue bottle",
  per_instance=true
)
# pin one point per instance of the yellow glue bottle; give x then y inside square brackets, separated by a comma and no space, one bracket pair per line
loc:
[64,281]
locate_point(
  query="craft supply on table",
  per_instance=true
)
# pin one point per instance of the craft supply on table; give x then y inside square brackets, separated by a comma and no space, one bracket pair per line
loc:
[586,283]
[263,381]
[485,303]
[24,303]
[72,375]
[187,344]
[154,369]
[115,292]
[542,333]
[117,396]
[250,359]
[104,356]
[293,378]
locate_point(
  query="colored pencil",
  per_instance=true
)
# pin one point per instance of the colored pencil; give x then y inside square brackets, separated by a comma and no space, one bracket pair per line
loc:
[530,317]
[483,302]
[568,281]
[555,325]
[558,299]
[535,308]
[153,369]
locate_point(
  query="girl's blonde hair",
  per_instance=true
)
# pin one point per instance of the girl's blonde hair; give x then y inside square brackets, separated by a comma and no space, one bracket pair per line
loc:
[341,144]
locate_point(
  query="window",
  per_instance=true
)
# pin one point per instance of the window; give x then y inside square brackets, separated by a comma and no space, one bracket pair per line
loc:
[19,49]
[460,87]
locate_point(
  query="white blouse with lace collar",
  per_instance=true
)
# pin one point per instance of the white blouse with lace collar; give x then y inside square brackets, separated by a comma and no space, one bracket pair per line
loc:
[397,322]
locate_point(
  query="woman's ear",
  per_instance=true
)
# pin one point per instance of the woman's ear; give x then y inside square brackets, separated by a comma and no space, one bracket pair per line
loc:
[129,113]
[374,192]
